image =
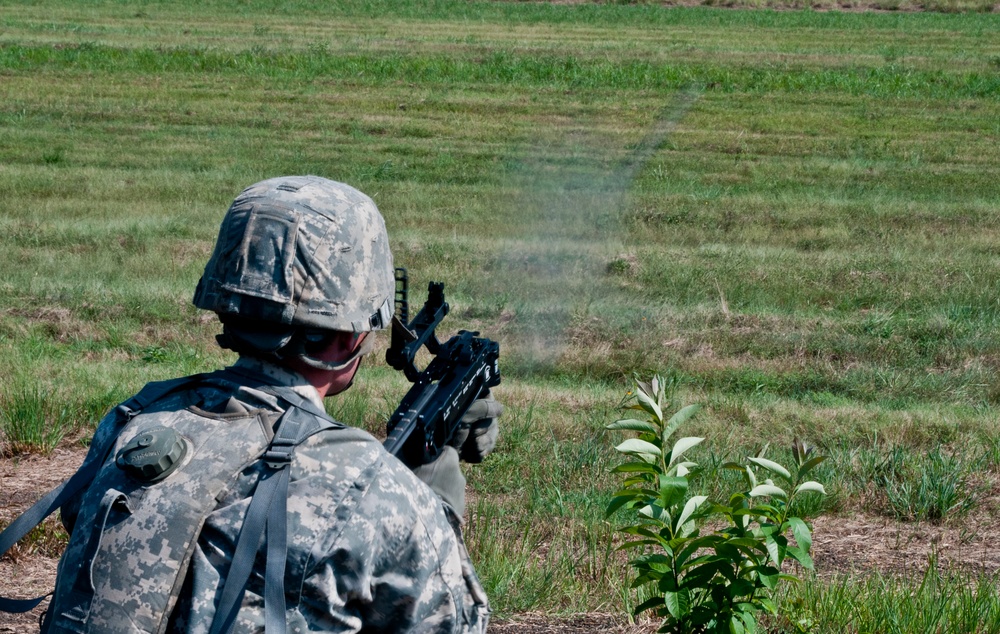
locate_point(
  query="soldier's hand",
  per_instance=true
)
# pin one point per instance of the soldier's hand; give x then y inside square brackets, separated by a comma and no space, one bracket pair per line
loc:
[477,435]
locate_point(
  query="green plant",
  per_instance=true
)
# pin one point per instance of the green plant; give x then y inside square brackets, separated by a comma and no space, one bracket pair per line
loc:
[48,539]
[54,156]
[719,581]
[31,419]
[935,489]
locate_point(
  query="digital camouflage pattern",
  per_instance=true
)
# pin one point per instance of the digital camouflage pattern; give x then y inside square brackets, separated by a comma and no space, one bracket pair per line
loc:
[370,547]
[146,535]
[302,251]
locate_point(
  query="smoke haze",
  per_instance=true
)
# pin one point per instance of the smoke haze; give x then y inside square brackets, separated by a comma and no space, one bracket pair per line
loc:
[568,200]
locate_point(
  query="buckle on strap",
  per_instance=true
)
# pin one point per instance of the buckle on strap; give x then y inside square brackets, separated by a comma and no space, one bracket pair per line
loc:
[279,453]
[129,409]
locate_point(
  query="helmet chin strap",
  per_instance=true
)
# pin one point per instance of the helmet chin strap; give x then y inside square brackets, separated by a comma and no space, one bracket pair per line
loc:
[366,346]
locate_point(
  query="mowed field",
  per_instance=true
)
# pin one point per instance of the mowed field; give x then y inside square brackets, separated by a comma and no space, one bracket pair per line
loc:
[795,213]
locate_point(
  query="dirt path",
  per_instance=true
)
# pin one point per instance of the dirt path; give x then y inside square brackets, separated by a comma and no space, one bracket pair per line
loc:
[25,574]
[864,544]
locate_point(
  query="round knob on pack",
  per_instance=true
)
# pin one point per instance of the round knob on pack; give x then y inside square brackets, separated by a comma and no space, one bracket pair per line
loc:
[152,455]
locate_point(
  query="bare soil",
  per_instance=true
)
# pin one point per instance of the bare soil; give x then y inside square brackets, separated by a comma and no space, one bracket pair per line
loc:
[841,545]
[30,570]
[864,544]
[577,624]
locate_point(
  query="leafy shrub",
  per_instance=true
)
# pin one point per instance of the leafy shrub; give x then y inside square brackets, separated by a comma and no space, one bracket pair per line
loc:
[722,580]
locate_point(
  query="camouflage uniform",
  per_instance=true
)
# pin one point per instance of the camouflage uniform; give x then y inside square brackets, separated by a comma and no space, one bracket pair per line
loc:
[370,546]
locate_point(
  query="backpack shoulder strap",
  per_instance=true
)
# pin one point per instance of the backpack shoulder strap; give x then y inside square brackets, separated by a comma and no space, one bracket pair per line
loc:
[111,425]
[267,513]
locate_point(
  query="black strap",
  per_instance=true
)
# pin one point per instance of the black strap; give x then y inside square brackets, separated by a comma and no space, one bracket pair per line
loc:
[277,556]
[96,457]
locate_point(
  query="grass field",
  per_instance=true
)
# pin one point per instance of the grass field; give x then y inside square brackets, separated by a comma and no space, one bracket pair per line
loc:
[796,213]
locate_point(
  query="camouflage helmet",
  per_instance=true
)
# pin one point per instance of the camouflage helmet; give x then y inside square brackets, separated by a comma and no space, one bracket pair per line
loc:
[301,251]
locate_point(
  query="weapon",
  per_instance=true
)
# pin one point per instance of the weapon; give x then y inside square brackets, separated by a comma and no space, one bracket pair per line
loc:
[462,369]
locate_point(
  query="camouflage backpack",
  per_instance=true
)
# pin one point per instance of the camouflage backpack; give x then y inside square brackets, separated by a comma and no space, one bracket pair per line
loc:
[149,483]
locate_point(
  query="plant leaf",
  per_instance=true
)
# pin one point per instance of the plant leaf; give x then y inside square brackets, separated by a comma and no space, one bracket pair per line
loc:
[632,424]
[638,543]
[681,446]
[628,492]
[649,405]
[749,621]
[679,418]
[811,485]
[801,532]
[800,555]
[655,513]
[740,588]
[768,576]
[771,466]
[672,490]
[684,467]
[617,503]
[767,489]
[776,550]
[636,446]
[689,508]
[634,467]
[809,465]
[678,603]
[648,604]
[668,583]
[735,626]
[646,387]
[644,532]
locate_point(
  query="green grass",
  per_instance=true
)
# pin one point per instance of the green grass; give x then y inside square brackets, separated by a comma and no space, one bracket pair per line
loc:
[795,212]
[937,600]
[47,539]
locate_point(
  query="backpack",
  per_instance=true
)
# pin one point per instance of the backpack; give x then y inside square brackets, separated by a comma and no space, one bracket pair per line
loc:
[149,482]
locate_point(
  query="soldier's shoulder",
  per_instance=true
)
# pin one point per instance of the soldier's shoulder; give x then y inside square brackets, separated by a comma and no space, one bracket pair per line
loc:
[353,453]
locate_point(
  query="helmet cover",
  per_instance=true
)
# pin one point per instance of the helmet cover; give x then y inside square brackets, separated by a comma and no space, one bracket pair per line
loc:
[301,251]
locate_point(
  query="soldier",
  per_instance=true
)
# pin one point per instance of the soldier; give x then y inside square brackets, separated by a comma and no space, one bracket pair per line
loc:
[329,531]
